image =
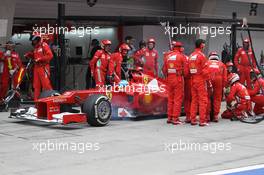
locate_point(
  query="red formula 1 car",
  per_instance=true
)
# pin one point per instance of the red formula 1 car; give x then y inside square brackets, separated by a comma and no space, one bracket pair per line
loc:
[141,95]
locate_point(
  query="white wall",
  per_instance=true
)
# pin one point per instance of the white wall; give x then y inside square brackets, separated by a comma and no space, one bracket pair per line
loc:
[104,33]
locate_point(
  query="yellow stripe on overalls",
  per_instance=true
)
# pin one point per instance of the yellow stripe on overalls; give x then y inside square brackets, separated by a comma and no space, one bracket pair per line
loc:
[9,63]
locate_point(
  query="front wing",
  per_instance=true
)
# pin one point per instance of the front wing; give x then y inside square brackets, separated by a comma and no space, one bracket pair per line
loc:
[61,118]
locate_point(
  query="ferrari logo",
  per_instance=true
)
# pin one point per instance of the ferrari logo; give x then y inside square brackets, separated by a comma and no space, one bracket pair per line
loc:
[145,79]
[171,65]
[109,95]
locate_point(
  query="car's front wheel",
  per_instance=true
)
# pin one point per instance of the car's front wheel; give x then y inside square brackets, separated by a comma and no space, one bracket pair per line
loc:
[98,110]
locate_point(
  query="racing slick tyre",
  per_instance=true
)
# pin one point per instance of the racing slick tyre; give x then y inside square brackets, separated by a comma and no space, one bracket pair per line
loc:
[98,110]
[252,119]
[49,93]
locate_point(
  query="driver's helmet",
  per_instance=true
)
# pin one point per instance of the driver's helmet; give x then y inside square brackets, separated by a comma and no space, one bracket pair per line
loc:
[123,83]
[214,56]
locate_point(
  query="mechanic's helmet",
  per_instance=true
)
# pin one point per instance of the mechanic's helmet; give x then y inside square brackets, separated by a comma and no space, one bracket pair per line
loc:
[173,43]
[123,83]
[142,44]
[139,69]
[229,66]
[151,40]
[232,78]
[214,56]
[246,41]
[254,73]
[105,42]
[123,49]
[178,44]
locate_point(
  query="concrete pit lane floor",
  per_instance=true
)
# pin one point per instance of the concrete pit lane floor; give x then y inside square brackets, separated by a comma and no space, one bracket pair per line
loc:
[127,147]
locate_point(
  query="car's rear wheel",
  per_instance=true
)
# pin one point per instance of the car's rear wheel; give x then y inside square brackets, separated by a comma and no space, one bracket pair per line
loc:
[49,93]
[98,110]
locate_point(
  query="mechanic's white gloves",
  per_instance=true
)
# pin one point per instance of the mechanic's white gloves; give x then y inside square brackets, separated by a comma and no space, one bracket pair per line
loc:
[7,53]
[123,83]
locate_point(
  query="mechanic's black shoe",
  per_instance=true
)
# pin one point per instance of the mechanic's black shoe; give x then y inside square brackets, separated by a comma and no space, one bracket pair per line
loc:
[187,121]
[194,123]
[215,120]
[204,124]
[169,121]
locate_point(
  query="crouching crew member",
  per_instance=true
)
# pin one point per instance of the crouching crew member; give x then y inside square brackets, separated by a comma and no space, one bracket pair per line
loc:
[257,91]
[239,93]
